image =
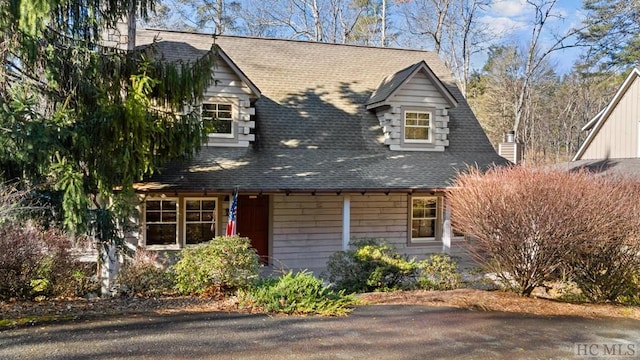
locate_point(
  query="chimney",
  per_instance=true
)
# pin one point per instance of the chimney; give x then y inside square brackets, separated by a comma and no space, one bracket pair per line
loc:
[123,36]
[510,149]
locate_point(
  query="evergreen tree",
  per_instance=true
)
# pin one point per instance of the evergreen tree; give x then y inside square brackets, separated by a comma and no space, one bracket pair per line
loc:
[87,121]
[613,31]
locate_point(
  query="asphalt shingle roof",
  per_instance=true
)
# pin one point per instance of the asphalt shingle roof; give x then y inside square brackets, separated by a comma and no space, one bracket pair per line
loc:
[617,167]
[313,131]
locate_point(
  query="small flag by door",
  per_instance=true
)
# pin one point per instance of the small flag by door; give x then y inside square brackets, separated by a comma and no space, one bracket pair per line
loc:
[233,209]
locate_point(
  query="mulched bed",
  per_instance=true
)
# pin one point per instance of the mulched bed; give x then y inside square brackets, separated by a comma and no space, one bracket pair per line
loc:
[18,313]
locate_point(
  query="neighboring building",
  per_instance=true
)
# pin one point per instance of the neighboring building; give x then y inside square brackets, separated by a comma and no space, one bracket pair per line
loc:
[325,143]
[613,140]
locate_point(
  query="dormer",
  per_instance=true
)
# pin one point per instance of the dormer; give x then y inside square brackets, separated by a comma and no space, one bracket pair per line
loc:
[413,106]
[227,109]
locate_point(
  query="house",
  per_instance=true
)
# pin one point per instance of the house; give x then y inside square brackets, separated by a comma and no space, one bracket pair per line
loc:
[324,143]
[612,144]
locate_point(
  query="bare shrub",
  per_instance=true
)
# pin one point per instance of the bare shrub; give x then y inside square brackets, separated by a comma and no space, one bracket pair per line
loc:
[144,275]
[606,265]
[60,271]
[20,259]
[525,224]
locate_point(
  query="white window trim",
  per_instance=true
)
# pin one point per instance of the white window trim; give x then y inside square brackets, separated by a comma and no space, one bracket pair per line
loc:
[176,244]
[183,214]
[437,226]
[429,128]
[233,119]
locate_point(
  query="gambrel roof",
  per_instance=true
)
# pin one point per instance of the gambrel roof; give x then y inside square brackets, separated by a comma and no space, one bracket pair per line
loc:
[313,131]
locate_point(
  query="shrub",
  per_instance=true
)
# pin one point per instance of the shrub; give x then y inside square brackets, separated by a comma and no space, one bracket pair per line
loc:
[226,263]
[370,266]
[20,259]
[439,272]
[59,268]
[143,275]
[299,293]
[607,269]
[525,224]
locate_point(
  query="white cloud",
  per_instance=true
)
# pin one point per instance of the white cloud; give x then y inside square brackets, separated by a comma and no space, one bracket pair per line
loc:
[502,26]
[509,8]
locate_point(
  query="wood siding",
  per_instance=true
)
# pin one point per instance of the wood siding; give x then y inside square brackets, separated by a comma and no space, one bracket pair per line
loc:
[618,136]
[387,217]
[228,87]
[307,229]
[418,93]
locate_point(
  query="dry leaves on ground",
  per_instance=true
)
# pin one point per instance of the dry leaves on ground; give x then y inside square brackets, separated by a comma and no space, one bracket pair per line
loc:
[502,301]
[12,312]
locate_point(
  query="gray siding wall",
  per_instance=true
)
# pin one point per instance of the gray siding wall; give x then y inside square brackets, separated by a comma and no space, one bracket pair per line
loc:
[618,136]
[386,217]
[229,88]
[418,93]
[306,230]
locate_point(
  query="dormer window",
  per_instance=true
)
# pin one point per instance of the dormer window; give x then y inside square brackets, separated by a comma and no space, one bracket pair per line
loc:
[217,119]
[417,127]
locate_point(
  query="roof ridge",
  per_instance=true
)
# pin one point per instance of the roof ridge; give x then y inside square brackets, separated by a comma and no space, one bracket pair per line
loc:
[320,43]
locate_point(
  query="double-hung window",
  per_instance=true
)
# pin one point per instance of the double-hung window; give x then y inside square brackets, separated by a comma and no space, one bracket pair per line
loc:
[200,220]
[417,127]
[217,119]
[161,221]
[425,218]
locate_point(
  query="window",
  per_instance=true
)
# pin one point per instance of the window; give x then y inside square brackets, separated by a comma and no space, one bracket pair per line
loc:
[417,126]
[217,119]
[161,220]
[425,218]
[200,220]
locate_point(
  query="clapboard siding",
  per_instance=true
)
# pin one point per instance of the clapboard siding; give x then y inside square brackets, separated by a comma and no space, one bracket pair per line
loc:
[387,217]
[227,82]
[618,136]
[307,229]
[419,91]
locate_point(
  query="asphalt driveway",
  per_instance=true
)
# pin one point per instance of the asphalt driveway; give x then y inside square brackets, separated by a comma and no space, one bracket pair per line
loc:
[371,332]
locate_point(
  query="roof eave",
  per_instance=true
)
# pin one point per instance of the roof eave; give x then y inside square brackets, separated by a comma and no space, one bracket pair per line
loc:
[423,66]
[254,89]
[635,73]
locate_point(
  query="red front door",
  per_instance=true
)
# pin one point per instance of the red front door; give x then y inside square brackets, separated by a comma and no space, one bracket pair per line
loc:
[253,222]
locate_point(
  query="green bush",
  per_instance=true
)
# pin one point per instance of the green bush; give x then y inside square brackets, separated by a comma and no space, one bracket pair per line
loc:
[299,293]
[225,263]
[144,275]
[371,266]
[439,272]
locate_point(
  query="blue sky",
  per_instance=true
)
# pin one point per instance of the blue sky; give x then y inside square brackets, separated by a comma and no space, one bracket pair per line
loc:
[511,21]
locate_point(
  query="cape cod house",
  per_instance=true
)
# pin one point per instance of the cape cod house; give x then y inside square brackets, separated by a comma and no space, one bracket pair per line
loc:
[324,143]
[612,145]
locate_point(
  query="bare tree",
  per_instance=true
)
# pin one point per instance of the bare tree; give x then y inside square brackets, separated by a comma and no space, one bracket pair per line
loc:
[451,28]
[537,53]
[336,21]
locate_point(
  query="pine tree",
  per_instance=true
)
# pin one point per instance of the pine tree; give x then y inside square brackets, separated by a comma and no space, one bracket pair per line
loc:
[85,120]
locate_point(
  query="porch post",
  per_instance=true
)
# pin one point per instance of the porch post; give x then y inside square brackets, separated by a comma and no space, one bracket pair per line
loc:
[346,221]
[446,229]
